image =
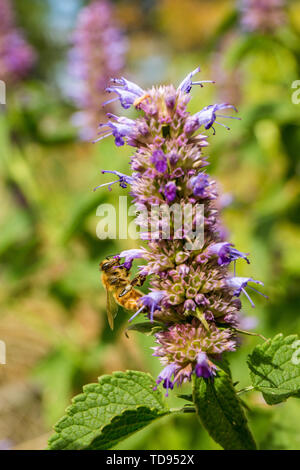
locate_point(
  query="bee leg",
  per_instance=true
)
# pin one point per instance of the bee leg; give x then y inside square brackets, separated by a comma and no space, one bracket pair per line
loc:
[125,291]
[138,280]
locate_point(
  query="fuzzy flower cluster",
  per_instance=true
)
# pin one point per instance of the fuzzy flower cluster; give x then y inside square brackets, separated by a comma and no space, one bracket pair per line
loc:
[193,297]
[16,55]
[98,53]
[262,15]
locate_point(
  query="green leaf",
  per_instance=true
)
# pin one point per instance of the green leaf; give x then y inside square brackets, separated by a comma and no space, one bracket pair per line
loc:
[124,425]
[109,411]
[220,411]
[147,327]
[186,397]
[275,368]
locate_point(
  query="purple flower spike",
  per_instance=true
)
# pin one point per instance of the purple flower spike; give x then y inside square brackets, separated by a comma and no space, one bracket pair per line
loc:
[204,368]
[187,83]
[98,52]
[264,16]
[166,377]
[123,180]
[16,56]
[193,296]
[130,255]
[239,284]
[226,253]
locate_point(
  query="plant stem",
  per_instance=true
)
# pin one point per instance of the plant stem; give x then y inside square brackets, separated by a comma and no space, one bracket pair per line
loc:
[244,390]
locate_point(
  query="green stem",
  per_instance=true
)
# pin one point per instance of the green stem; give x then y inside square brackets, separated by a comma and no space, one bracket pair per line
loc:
[201,317]
[185,409]
[244,390]
[249,333]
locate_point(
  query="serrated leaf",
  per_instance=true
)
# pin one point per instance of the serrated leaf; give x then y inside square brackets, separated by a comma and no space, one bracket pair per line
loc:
[275,368]
[108,411]
[124,425]
[147,327]
[186,397]
[220,411]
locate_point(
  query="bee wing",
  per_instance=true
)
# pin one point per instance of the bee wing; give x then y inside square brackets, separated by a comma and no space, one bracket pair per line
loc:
[112,308]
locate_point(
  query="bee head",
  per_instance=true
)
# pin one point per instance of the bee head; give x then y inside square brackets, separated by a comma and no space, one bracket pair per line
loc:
[109,263]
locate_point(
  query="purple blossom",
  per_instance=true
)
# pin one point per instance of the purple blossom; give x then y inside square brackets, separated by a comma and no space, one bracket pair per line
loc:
[207,117]
[151,301]
[130,255]
[128,92]
[189,305]
[129,86]
[123,180]
[198,184]
[159,160]
[122,127]
[187,83]
[166,377]
[170,191]
[238,284]
[204,368]
[226,253]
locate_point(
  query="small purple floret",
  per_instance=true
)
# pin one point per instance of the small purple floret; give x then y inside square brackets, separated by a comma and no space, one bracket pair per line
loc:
[166,377]
[123,180]
[226,253]
[130,255]
[170,191]
[203,368]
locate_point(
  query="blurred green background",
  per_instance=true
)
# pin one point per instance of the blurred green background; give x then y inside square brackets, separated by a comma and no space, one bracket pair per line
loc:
[52,314]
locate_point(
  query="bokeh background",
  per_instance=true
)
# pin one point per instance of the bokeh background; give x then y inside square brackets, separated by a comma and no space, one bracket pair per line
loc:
[52,315]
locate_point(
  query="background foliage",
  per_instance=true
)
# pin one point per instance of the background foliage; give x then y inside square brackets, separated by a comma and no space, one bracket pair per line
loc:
[52,314]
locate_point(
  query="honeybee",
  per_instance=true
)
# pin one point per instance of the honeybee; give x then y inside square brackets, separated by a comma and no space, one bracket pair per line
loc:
[119,288]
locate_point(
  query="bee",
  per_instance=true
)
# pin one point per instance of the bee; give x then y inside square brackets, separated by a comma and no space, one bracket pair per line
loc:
[119,288]
[139,100]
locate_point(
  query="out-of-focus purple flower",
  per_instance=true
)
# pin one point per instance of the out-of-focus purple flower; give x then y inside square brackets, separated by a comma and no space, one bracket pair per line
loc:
[226,253]
[6,444]
[247,323]
[98,53]
[262,15]
[16,56]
